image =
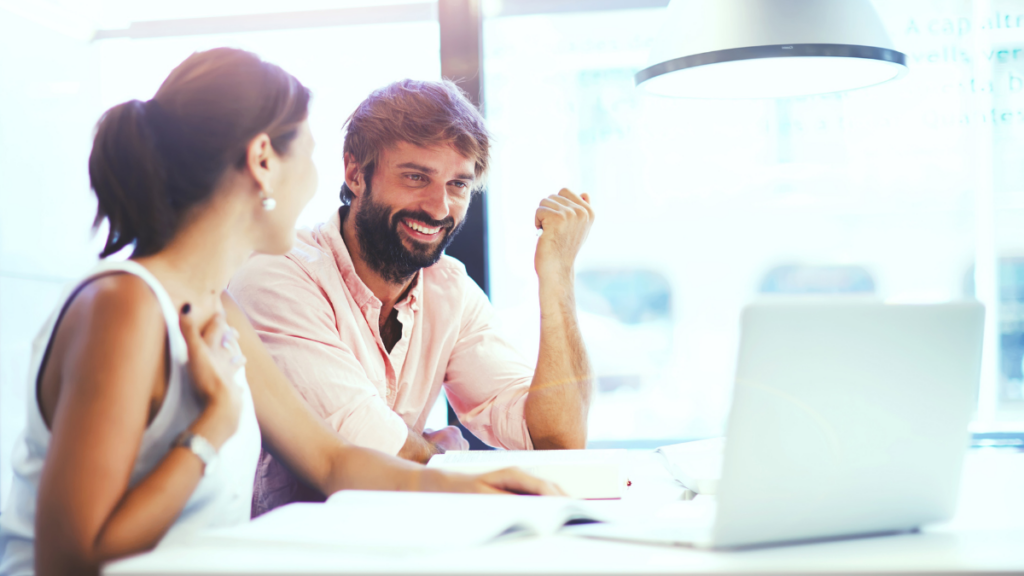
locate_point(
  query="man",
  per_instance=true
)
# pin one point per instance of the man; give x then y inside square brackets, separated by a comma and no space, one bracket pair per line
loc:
[369,319]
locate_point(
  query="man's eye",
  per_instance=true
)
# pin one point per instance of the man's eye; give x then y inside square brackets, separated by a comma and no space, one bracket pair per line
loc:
[416,177]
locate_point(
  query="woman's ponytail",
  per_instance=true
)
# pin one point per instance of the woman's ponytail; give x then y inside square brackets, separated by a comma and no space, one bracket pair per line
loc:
[127,173]
[154,161]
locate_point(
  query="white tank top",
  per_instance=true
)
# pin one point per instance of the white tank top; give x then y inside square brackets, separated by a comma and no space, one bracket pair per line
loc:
[222,498]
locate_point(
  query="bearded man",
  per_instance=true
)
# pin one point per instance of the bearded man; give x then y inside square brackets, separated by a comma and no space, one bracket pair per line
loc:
[369,319]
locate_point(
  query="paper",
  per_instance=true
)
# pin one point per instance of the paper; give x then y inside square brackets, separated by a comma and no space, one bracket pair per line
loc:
[696,465]
[404,522]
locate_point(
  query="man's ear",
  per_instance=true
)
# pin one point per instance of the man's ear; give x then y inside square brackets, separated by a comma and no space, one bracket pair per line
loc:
[354,177]
[259,162]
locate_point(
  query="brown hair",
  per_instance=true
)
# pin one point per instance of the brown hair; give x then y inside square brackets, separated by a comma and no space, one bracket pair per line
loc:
[422,113]
[153,161]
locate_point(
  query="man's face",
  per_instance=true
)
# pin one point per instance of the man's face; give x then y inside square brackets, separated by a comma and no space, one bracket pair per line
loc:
[412,209]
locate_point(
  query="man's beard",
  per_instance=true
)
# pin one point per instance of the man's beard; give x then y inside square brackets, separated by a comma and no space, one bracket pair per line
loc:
[381,245]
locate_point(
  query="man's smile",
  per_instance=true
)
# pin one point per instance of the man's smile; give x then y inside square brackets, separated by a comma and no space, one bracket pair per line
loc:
[420,231]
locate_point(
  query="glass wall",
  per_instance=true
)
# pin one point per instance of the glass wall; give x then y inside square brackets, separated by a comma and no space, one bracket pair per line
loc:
[891,192]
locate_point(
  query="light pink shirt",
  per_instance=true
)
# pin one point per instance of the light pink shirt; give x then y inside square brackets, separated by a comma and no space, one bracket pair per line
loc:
[320,323]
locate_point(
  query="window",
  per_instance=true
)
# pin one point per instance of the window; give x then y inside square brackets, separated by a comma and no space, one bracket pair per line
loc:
[890,191]
[1011,328]
[629,312]
[818,280]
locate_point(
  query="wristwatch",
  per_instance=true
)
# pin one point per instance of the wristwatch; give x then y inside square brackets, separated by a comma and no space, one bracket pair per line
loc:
[199,446]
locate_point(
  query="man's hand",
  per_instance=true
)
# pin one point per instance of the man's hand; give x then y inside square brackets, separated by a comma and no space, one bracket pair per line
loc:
[447,438]
[420,447]
[565,219]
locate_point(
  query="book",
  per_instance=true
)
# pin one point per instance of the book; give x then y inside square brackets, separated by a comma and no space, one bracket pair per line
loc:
[405,522]
[583,474]
[696,465]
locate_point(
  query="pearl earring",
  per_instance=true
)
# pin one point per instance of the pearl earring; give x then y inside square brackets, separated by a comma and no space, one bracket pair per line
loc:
[267,202]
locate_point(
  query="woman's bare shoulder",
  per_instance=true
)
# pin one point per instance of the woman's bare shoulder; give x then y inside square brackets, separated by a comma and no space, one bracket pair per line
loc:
[111,337]
[122,302]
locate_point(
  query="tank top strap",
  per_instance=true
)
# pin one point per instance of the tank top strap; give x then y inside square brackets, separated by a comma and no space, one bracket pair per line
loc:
[176,341]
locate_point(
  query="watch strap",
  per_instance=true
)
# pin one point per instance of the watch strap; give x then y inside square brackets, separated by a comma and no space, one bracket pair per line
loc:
[199,446]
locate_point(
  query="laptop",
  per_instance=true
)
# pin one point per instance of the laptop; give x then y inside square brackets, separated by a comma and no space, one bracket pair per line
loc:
[848,418]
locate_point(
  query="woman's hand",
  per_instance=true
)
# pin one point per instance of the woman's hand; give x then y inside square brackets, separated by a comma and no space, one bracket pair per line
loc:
[504,481]
[214,358]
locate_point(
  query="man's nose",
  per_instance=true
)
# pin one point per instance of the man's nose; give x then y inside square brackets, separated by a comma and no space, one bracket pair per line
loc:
[434,201]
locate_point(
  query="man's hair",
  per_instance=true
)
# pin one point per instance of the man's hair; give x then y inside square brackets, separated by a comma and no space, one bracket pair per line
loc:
[422,113]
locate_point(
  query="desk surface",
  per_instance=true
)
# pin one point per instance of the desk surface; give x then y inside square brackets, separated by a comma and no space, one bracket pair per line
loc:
[987,536]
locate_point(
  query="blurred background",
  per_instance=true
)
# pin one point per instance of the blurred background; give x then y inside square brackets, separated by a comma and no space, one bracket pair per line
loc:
[912,191]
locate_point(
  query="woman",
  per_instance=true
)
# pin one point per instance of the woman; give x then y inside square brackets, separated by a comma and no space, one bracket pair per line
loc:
[143,427]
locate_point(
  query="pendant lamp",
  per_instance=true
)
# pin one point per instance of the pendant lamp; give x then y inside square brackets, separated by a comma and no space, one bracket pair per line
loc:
[769,49]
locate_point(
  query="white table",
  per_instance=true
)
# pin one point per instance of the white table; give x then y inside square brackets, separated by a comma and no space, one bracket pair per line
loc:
[987,536]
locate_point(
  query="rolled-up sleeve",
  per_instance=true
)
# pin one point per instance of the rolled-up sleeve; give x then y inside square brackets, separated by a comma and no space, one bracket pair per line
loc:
[298,325]
[487,380]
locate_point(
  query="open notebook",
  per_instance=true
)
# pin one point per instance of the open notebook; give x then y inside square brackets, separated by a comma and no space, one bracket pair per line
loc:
[586,474]
[405,522]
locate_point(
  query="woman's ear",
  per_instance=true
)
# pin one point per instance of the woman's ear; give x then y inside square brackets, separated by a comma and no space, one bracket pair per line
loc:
[354,177]
[259,161]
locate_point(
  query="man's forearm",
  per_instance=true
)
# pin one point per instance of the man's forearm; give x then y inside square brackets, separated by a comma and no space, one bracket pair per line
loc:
[559,399]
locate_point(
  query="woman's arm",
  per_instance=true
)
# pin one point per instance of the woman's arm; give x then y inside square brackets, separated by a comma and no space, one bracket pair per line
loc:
[319,456]
[109,357]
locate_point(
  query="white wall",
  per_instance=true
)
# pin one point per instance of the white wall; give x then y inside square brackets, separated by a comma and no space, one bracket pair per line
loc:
[48,105]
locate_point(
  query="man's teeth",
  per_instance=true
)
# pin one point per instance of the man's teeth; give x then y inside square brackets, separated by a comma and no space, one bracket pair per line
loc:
[421,229]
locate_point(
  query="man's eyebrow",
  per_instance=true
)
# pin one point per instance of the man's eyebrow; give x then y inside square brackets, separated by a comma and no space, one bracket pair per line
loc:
[420,167]
[433,171]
